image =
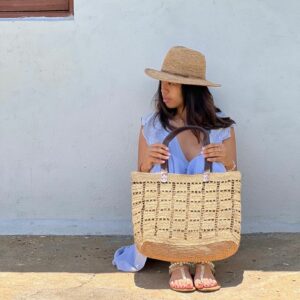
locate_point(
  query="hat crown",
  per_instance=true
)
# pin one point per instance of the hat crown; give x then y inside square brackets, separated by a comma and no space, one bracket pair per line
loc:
[185,62]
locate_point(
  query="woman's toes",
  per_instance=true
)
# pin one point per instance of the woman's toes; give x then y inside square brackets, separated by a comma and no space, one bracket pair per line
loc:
[213,282]
[198,283]
[182,283]
[188,284]
[207,283]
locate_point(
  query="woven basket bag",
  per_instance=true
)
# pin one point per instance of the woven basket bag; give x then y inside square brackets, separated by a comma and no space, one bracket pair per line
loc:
[182,217]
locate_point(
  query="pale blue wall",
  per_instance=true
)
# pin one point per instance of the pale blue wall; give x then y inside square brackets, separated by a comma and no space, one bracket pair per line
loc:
[72,93]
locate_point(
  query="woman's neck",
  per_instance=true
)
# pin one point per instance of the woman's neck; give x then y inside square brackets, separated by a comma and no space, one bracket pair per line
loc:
[181,114]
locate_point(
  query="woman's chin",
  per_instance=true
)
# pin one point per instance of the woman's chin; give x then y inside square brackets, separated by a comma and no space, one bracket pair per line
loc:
[169,105]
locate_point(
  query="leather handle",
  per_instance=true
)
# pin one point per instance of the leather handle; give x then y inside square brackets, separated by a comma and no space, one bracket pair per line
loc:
[171,135]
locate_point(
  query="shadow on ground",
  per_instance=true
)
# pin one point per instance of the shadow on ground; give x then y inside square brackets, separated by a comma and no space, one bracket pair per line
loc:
[93,254]
[268,252]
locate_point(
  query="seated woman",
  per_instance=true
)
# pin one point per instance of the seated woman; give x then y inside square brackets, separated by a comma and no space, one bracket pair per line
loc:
[182,98]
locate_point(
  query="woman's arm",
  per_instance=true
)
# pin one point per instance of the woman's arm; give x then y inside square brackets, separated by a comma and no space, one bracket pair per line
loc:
[142,153]
[230,145]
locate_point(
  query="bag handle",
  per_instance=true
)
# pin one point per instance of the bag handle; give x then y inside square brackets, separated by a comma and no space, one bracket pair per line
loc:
[170,137]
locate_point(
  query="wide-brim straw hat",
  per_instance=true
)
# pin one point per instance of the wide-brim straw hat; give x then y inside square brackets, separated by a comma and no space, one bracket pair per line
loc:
[182,65]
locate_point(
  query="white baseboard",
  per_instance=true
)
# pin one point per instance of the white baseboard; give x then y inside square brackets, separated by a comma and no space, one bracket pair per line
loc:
[116,227]
[65,227]
[254,225]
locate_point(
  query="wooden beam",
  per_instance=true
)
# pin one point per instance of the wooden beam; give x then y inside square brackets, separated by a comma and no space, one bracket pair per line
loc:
[28,8]
[33,5]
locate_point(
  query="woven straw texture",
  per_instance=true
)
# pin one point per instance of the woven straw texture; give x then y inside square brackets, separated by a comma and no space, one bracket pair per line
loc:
[186,219]
[182,65]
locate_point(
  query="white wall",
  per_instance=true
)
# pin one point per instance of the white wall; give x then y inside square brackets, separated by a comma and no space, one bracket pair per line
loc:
[72,93]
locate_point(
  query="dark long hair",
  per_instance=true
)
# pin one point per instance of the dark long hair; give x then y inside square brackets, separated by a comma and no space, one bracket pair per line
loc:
[200,109]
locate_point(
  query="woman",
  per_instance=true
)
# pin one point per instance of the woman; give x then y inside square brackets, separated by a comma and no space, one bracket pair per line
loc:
[182,99]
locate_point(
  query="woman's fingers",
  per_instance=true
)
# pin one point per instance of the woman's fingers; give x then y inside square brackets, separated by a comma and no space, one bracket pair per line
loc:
[157,161]
[158,153]
[160,147]
[210,147]
[213,150]
[214,154]
[215,159]
[160,150]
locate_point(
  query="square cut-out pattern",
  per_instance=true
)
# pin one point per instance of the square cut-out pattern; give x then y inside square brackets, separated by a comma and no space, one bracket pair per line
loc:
[186,210]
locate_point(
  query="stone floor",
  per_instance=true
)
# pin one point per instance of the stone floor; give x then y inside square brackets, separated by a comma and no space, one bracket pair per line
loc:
[267,266]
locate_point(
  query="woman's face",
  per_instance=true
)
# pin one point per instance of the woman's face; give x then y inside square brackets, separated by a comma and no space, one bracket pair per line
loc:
[172,94]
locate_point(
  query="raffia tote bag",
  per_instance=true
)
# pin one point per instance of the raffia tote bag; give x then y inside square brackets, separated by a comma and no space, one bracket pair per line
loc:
[181,217]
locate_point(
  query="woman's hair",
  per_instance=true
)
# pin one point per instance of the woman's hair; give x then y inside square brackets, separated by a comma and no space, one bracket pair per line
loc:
[200,109]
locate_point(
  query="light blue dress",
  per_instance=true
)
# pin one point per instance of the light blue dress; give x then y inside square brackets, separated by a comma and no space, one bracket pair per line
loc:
[128,258]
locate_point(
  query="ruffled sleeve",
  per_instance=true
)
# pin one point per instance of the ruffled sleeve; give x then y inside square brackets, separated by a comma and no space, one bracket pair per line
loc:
[146,127]
[225,133]
[152,129]
[217,136]
[221,134]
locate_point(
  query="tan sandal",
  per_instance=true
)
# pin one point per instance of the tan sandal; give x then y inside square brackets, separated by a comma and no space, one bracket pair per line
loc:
[202,266]
[179,265]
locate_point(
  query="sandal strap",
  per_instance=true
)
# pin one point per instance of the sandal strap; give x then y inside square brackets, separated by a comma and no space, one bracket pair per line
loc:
[202,271]
[210,264]
[176,265]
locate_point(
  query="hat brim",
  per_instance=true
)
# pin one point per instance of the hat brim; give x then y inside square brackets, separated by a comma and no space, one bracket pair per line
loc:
[165,76]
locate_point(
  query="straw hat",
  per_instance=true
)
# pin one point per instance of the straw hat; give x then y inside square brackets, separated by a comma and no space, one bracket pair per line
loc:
[182,65]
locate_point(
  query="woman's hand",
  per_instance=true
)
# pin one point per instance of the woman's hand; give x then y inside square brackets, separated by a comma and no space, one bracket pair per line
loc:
[218,153]
[155,154]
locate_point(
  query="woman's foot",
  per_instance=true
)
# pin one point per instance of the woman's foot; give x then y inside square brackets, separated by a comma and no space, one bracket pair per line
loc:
[204,279]
[181,279]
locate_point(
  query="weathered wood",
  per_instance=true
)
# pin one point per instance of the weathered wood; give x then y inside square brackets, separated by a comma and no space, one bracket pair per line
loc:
[27,8]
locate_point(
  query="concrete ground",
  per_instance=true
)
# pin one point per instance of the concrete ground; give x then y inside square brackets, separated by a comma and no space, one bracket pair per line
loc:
[267,266]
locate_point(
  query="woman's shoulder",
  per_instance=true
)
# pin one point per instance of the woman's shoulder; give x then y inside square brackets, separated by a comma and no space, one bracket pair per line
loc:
[151,120]
[221,134]
[146,118]
[152,128]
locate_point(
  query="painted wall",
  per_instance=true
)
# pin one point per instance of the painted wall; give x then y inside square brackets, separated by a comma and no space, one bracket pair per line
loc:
[72,92]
